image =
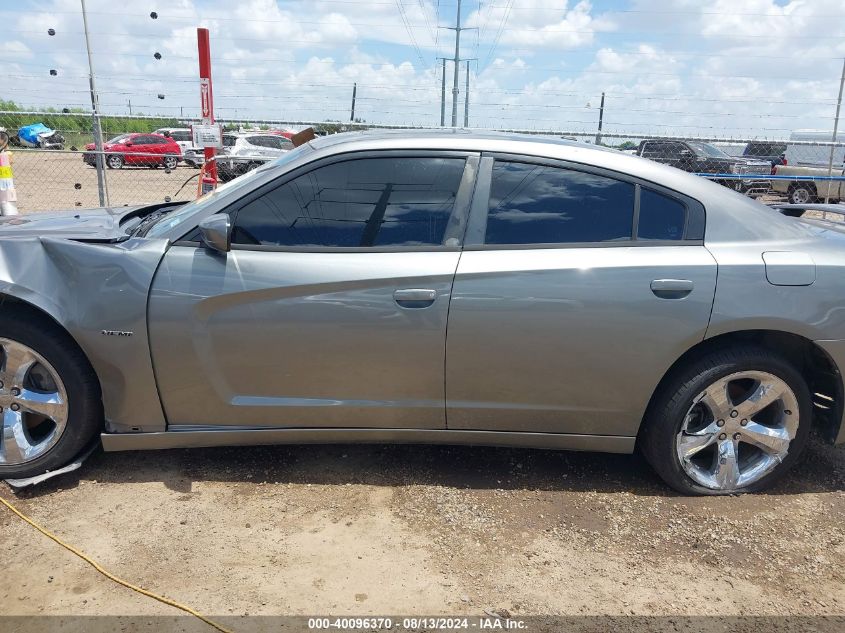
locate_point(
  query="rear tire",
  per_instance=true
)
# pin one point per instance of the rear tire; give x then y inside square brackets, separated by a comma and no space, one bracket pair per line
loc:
[170,162]
[76,385]
[681,421]
[801,194]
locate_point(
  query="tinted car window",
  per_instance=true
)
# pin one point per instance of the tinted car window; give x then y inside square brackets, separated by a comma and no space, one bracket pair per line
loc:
[229,140]
[180,136]
[535,204]
[260,141]
[661,217]
[366,202]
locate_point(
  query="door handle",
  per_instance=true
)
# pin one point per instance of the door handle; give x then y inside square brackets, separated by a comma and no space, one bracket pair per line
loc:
[414,297]
[671,288]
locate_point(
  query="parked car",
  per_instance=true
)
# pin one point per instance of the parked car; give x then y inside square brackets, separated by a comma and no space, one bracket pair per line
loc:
[774,153]
[194,156]
[593,301]
[245,152]
[810,184]
[181,135]
[703,158]
[38,136]
[146,150]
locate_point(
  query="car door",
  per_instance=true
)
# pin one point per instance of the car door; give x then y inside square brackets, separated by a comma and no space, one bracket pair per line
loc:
[144,149]
[329,311]
[577,290]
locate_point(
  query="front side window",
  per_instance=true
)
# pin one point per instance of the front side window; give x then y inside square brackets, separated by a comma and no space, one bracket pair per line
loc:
[357,203]
[538,204]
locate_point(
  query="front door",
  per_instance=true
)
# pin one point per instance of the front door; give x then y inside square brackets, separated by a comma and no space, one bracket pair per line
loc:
[580,292]
[329,311]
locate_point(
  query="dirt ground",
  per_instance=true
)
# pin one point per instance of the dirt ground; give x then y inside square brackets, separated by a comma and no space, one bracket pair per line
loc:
[422,530]
[58,180]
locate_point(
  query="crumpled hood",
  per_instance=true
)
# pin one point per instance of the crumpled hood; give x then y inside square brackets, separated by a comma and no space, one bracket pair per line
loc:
[101,224]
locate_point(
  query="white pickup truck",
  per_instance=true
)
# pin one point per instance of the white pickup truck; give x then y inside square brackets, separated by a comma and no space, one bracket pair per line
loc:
[805,191]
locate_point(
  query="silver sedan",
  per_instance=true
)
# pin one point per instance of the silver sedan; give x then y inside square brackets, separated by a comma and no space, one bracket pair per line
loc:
[431,287]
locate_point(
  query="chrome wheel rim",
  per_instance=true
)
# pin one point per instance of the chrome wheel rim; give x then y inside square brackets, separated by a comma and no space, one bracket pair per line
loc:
[33,404]
[737,430]
[170,163]
[115,161]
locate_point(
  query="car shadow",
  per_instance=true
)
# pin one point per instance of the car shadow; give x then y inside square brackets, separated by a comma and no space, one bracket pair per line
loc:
[468,467]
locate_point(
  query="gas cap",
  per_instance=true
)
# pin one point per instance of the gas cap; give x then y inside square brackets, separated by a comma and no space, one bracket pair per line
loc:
[789,268]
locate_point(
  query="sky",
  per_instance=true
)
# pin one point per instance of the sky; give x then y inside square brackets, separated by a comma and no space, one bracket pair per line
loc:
[705,68]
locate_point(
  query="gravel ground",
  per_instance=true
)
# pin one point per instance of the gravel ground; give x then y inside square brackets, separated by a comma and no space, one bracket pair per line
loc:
[423,530]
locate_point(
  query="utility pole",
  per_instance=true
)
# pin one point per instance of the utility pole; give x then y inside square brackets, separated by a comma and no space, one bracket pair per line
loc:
[466,98]
[457,67]
[354,92]
[601,119]
[835,132]
[95,113]
[130,107]
[457,59]
[443,95]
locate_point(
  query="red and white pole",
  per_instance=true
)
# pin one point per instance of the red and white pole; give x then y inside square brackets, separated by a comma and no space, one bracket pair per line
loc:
[209,180]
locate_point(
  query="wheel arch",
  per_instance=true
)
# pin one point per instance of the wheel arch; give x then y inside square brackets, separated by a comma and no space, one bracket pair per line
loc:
[812,361]
[808,185]
[30,308]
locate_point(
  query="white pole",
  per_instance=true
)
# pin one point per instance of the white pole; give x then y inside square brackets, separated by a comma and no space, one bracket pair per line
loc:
[835,131]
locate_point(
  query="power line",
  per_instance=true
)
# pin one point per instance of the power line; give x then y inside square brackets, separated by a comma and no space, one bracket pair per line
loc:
[404,19]
[498,34]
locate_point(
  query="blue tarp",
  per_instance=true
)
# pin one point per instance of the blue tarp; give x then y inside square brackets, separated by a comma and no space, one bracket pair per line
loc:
[29,133]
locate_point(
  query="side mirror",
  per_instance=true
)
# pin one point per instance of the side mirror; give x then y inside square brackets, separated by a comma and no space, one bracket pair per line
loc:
[128,143]
[216,232]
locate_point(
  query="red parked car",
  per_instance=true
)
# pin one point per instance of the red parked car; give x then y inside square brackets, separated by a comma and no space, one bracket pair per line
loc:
[147,150]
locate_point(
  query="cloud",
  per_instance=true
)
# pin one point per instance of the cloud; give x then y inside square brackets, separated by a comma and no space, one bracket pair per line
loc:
[703,67]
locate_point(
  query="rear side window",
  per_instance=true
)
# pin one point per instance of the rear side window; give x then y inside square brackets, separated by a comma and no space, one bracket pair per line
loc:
[538,204]
[357,203]
[661,217]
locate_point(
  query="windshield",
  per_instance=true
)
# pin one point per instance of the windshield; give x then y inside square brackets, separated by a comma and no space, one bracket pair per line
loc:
[706,149]
[119,139]
[232,190]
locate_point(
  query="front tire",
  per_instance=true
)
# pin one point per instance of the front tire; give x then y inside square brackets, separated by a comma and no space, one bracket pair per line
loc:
[50,396]
[733,421]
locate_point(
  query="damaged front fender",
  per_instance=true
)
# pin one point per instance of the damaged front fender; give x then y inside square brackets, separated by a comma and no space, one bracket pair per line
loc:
[94,290]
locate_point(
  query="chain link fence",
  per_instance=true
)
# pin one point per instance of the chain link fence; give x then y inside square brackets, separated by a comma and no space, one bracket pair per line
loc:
[151,159]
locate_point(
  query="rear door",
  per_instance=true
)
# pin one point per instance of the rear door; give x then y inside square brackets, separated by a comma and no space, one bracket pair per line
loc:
[576,291]
[330,310]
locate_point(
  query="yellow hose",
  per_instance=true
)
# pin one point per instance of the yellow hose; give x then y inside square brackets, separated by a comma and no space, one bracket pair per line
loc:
[111,576]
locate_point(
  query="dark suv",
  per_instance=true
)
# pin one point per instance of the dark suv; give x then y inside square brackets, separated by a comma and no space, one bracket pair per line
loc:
[703,158]
[774,153]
